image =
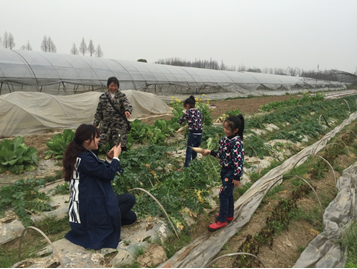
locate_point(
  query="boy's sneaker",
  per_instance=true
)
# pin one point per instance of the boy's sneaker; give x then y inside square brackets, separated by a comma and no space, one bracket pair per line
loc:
[217,225]
[229,219]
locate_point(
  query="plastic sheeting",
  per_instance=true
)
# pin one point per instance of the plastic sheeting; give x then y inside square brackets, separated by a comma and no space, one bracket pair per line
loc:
[41,69]
[200,252]
[24,113]
[325,250]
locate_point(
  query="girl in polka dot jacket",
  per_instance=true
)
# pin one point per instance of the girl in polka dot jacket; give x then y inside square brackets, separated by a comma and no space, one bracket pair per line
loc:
[194,120]
[231,155]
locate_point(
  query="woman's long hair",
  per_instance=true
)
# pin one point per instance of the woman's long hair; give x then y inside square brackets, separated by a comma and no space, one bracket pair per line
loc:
[236,122]
[83,132]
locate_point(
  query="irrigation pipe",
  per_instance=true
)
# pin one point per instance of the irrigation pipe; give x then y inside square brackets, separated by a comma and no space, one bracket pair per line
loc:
[173,227]
[235,254]
[301,179]
[353,131]
[347,105]
[318,198]
[334,143]
[307,155]
[324,120]
[48,240]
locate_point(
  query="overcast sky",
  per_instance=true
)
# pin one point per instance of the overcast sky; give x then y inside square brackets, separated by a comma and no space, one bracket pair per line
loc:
[254,33]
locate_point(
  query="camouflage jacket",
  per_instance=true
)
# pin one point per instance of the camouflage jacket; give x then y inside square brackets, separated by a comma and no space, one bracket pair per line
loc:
[106,115]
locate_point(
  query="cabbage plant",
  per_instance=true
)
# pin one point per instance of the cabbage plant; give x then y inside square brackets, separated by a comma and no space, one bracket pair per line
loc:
[16,157]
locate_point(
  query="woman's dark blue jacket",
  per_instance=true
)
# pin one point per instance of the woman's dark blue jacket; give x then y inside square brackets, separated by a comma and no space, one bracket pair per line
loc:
[94,214]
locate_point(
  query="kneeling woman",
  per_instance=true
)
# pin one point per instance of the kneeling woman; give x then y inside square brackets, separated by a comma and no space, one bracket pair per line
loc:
[96,213]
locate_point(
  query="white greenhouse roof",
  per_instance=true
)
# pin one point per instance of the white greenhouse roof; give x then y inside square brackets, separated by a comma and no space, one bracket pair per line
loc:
[42,69]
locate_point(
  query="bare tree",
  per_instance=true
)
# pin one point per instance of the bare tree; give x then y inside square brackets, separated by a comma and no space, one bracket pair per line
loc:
[74,49]
[222,66]
[241,68]
[83,47]
[44,44]
[47,45]
[11,41]
[254,70]
[91,48]
[99,52]
[51,45]
[279,71]
[5,40]
[27,46]
[8,41]
[293,71]
[211,64]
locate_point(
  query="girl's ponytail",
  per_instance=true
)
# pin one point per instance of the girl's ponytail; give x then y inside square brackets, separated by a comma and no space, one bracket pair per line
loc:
[241,126]
[190,101]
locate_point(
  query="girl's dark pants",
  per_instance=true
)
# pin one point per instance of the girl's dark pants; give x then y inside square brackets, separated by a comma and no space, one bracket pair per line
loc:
[193,141]
[126,202]
[226,199]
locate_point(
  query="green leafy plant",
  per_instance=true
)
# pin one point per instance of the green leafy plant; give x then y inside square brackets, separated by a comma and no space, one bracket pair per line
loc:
[16,157]
[309,127]
[156,170]
[158,132]
[234,112]
[24,196]
[138,131]
[292,136]
[206,112]
[58,144]
[62,188]
[211,136]
[254,146]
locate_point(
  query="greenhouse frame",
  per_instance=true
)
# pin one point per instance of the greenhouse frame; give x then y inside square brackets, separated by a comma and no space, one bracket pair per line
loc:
[68,74]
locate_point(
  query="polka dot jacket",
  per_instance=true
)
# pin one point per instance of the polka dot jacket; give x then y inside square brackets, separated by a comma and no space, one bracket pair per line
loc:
[194,120]
[231,154]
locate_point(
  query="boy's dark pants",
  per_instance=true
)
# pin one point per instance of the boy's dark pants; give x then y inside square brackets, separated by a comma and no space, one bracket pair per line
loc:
[226,199]
[192,141]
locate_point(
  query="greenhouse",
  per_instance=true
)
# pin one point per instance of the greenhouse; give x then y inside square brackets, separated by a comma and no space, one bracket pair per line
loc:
[67,74]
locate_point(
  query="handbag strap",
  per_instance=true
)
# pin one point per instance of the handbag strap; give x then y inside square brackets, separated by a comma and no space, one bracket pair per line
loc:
[116,110]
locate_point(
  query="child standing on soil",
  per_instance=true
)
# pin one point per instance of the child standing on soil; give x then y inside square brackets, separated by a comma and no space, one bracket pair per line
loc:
[194,120]
[231,155]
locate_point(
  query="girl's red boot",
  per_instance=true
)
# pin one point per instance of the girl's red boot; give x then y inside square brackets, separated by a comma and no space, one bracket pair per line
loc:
[229,219]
